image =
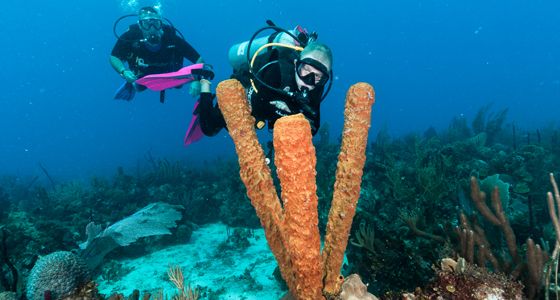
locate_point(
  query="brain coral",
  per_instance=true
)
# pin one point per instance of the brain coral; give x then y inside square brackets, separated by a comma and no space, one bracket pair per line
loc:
[60,272]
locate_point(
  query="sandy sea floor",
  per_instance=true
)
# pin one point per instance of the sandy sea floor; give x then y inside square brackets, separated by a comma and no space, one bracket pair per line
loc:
[245,274]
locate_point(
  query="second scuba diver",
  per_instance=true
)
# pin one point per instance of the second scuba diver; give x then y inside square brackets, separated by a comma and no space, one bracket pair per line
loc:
[150,47]
[283,81]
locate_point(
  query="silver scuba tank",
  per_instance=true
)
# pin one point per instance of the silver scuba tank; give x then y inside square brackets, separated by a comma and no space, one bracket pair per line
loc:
[237,54]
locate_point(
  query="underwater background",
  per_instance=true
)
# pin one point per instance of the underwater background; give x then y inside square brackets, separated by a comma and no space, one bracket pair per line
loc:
[463,88]
[429,61]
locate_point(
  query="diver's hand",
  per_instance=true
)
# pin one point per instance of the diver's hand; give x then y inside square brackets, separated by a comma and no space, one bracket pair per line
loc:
[195,89]
[129,76]
[281,107]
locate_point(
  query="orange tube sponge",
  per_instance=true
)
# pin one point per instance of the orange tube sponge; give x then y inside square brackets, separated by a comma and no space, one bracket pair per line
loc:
[295,161]
[351,160]
[254,171]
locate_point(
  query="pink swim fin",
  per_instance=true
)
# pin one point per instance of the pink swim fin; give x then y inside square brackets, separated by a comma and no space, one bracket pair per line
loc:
[194,132]
[160,82]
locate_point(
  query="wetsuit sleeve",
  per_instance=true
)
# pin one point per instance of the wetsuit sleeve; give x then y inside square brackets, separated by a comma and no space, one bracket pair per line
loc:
[210,116]
[312,111]
[123,47]
[186,50]
[261,107]
[314,118]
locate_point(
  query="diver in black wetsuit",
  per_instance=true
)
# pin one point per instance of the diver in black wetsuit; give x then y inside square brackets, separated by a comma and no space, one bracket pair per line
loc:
[297,82]
[152,47]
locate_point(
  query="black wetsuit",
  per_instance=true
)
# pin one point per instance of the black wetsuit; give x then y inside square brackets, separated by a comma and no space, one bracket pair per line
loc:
[279,75]
[143,61]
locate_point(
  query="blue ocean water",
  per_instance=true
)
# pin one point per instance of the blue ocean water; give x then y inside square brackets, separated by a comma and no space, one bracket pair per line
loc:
[428,60]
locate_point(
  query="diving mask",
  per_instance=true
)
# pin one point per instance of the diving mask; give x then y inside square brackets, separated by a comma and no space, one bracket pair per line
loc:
[147,24]
[309,75]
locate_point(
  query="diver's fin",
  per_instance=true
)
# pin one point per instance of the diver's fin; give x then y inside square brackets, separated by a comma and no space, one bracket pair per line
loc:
[194,132]
[125,92]
[159,82]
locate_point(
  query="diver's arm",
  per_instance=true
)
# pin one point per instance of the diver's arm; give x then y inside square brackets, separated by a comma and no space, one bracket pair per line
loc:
[117,64]
[315,122]
[121,50]
[312,113]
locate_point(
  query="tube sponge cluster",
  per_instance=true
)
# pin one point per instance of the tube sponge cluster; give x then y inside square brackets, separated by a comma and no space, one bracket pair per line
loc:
[292,228]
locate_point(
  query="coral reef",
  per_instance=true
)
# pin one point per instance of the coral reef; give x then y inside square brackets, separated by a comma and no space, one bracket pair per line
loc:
[8,296]
[553,201]
[185,292]
[413,188]
[64,273]
[10,284]
[460,280]
[474,243]
[424,180]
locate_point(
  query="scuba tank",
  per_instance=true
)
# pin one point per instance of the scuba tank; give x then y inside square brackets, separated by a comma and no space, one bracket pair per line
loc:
[239,55]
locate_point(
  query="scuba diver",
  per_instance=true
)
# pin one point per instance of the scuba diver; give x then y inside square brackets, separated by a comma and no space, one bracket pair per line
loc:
[285,76]
[151,46]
